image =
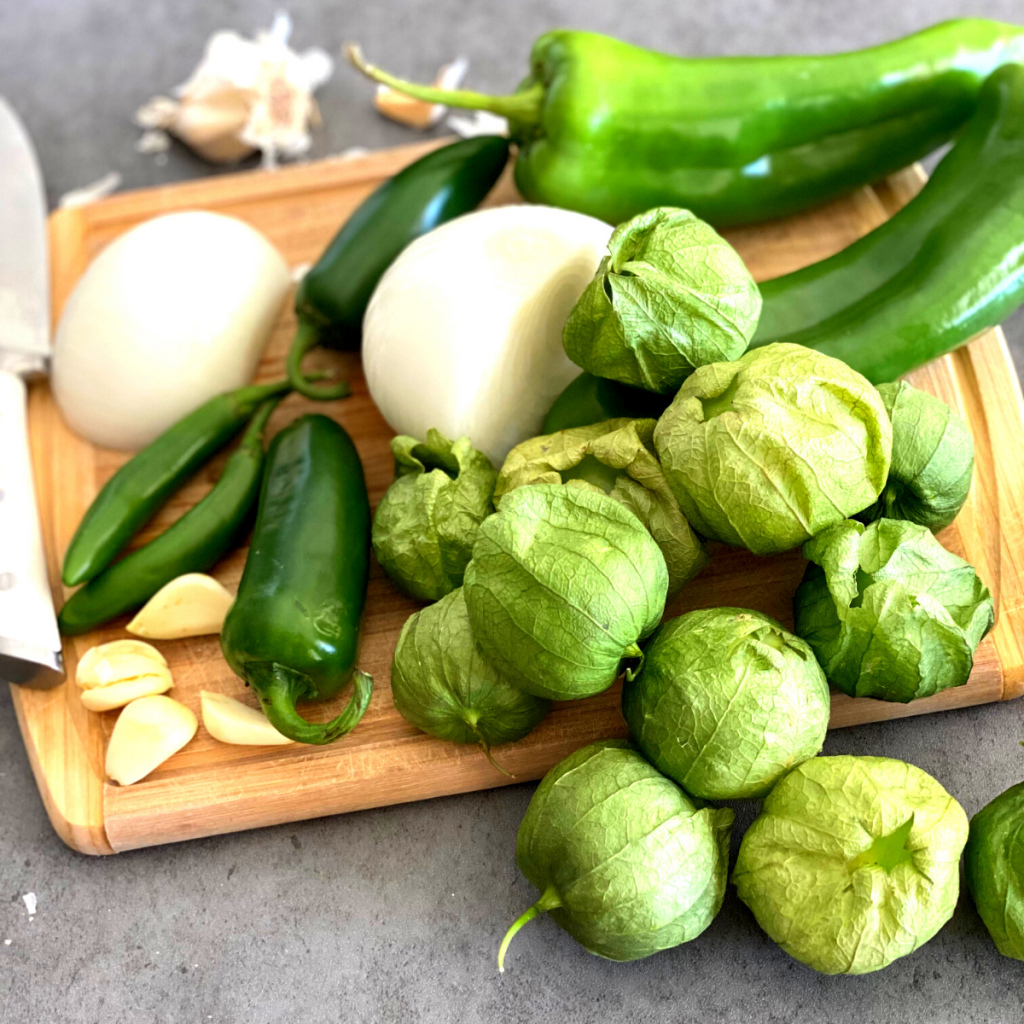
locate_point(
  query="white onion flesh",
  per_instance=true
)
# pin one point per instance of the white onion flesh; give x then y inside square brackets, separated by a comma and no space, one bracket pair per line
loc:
[464,331]
[173,312]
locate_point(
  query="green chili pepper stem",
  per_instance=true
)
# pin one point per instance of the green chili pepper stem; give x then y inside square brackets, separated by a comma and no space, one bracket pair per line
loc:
[279,688]
[522,107]
[550,900]
[307,336]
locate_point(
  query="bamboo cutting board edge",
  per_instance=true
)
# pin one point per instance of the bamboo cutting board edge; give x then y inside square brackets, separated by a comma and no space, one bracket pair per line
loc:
[190,798]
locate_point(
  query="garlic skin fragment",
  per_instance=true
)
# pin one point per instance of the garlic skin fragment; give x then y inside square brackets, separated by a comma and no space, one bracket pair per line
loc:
[231,721]
[147,732]
[111,675]
[191,605]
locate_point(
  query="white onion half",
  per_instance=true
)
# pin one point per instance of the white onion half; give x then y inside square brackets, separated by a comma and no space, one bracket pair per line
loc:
[173,312]
[464,331]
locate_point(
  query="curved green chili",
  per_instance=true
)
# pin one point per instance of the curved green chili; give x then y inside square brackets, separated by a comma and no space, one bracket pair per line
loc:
[612,130]
[192,544]
[141,486]
[293,631]
[946,266]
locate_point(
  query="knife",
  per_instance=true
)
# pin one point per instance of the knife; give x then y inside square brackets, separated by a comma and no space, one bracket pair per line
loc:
[30,649]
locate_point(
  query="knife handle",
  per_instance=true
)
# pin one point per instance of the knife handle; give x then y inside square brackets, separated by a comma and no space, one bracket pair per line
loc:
[30,649]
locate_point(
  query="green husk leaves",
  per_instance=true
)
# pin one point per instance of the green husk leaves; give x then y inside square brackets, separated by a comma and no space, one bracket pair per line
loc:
[994,866]
[671,295]
[563,584]
[623,858]
[770,450]
[616,457]
[442,683]
[889,612]
[853,862]
[932,460]
[726,703]
[425,526]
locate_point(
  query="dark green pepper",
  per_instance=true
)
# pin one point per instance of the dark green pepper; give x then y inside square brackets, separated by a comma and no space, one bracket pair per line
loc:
[293,630]
[589,399]
[945,267]
[333,295]
[142,485]
[612,130]
[194,543]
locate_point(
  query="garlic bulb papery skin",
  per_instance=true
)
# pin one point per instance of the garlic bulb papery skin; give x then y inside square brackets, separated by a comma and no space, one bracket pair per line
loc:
[463,333]
[173,312]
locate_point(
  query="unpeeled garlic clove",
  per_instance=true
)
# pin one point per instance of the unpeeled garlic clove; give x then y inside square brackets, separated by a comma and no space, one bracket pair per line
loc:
[231,721]
[416,113]
[147,732]
[111,675]
[191,605]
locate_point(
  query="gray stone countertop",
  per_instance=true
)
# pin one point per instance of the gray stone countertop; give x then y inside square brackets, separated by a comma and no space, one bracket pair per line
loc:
[395,915]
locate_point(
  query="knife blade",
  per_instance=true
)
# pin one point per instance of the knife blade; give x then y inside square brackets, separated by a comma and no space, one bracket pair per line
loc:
[30,648]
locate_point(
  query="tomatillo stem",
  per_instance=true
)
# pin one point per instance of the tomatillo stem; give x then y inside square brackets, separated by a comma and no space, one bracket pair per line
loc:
[548,901]
[486,748]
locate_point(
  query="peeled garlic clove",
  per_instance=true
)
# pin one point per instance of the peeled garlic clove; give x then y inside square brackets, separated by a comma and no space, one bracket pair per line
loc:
[231,721]
[111,675]
[191,605]
[147,732]
[116,695]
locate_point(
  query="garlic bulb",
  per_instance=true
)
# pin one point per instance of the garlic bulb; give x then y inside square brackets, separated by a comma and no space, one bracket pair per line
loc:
[245,95]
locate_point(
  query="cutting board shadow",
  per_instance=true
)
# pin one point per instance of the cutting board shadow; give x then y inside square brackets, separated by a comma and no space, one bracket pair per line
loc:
[211,788]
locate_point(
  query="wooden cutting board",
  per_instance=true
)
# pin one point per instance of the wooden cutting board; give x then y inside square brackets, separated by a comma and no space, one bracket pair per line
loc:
[210,787]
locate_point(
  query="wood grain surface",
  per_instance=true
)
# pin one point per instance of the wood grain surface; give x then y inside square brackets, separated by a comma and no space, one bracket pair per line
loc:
[210,787]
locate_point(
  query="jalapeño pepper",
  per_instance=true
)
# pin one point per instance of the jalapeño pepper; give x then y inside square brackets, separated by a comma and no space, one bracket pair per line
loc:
[612,130]
[293,630]
[333,295]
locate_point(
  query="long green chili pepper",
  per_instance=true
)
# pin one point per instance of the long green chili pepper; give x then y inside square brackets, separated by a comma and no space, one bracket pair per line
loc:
[293,630]
[612,130]
[192,544]
[333,295]
[142,485]
[946,266]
